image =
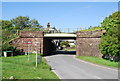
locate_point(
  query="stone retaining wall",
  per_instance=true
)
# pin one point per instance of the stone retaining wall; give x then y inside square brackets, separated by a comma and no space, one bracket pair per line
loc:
[35,37]
[88,43]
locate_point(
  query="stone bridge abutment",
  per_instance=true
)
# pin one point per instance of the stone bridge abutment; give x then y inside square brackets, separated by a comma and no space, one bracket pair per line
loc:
[87,42]
[36,39]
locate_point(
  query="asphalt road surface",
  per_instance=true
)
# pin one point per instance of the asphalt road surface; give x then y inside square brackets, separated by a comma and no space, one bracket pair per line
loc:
[68,67]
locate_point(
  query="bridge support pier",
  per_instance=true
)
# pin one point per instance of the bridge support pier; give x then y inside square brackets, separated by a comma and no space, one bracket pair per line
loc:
[88,43]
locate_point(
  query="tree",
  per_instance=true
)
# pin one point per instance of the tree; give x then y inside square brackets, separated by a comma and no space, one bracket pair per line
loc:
[10,28]
[7,36]
[64,43]
[5,24]
[34,25]
[20,22]
[110,42]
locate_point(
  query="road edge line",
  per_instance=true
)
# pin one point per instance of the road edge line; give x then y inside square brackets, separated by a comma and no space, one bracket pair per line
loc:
[53,70]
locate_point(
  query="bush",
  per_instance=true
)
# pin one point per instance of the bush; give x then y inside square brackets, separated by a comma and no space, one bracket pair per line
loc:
[110,41]
[64,43]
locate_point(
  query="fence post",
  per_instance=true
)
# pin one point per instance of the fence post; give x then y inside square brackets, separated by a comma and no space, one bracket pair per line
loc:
[36,59]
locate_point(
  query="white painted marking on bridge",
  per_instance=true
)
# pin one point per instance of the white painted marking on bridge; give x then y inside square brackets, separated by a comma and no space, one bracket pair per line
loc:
[60,35]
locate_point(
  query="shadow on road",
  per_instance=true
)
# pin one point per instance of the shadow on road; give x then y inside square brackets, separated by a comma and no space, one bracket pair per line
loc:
[62,53]
[65,52]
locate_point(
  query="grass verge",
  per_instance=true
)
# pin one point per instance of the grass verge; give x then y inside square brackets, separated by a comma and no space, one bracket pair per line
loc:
[21,68]
[99,61]
[69,50]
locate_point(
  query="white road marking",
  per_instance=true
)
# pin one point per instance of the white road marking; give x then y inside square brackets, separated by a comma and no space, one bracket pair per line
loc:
[53,70]
[97,77]
[56,74]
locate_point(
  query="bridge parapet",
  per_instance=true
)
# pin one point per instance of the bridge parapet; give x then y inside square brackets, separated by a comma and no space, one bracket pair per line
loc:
[87,34]
[31,34]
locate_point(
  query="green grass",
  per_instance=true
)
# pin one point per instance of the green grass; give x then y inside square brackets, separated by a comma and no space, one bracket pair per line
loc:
[0,68]
[99,61]
[72,45]
[21,68]
[96,28]
[69,50]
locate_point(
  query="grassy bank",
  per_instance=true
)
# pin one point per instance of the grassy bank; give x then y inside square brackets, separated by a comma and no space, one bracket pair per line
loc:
[96,28]
[99,61]
[21,68]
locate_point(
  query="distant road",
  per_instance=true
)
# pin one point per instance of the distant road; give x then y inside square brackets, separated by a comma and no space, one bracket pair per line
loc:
[68,67]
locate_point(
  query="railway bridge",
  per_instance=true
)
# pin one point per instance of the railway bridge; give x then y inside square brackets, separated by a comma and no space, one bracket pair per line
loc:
[87,42]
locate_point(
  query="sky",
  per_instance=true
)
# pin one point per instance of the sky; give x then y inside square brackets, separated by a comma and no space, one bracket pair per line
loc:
[59,0]
[62,15]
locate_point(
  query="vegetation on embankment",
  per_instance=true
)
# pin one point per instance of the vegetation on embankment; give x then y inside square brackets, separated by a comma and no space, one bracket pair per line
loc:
[99,61]
[21,68]
[11,28]
[92,29]
[7,36]
[110,41]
